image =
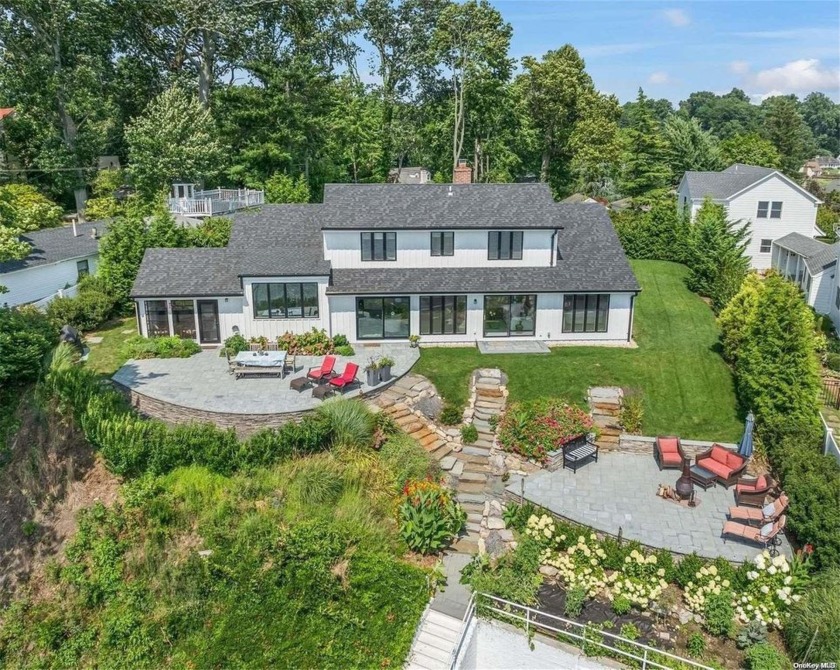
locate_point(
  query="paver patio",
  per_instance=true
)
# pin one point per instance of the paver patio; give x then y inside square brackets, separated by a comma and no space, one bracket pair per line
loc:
[202,381]
[619,493]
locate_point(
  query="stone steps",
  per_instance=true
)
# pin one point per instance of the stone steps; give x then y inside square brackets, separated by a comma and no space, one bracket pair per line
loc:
[470,487]
[479,477]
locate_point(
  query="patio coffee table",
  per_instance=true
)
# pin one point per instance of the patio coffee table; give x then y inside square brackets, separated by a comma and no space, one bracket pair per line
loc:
[702,477]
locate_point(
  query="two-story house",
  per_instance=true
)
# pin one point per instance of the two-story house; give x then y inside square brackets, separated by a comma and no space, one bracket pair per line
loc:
[452,263]
[773,204]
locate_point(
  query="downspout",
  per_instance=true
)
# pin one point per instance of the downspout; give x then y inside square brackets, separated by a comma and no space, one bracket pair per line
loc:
[632,317]
[553,246]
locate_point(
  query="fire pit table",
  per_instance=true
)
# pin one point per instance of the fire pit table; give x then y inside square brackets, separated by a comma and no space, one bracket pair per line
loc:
[702,477]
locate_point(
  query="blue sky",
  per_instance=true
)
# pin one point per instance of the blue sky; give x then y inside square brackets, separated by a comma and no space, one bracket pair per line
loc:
[673,48]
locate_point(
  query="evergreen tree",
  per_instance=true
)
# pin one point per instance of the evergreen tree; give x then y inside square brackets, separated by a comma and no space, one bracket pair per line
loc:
[283,188]
[689,147]
[120,254]
[751,149]
[645,166]
[737,316]
[787,130]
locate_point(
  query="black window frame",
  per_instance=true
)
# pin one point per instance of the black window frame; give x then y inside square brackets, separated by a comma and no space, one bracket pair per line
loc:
[157,311]
[501,245]
[382,298]
[570,306]
[765,209]
[82,269]
[769,246]
[776,209]
[437,242]
[438,303]
[371,237]
[271,297]
[510,298]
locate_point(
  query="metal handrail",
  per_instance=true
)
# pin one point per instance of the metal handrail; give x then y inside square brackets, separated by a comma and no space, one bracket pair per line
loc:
[465,624]
[530,620]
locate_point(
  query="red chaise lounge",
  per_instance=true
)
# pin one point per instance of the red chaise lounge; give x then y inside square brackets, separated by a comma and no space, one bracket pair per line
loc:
[346,378]
[668,452]
[324,372]
[727,465]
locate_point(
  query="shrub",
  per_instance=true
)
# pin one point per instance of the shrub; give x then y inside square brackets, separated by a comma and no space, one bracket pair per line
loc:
[450,415]
[234,344]
[640,580]
[812,632]
[754,632]
[832,362]
[687,569]
[516,516]
[718,613]
[695,645]
[535,428]
[632,413]
[770,591]
[621,605]
[405,458]
[349,420]
[340,340]
[87,311]
[515,576]
[314,343]
[26,337]
[764,656]
[429,516]
[575,600]
[139,347]
[345,350]
[469,433]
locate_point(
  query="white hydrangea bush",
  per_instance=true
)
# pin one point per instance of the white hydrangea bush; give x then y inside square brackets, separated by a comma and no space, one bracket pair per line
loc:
[641,581]
[770,592]
[706,582]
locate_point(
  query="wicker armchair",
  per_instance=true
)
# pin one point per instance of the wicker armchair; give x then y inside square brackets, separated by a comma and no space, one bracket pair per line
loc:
[668,452]
[753,491]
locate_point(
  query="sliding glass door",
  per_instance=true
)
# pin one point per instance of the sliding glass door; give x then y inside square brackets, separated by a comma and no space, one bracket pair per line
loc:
[383,318]
[509,315]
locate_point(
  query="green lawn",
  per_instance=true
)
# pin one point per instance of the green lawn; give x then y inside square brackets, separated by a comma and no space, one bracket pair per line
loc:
[686,387]
[106,357]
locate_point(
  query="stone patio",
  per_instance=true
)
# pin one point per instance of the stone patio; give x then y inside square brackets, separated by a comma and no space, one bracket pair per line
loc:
[505,346]
[202,382]
[619,493]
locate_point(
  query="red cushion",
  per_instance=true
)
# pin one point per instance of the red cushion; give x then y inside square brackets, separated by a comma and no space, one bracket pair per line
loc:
[734,461]
[719,454]
[714,466]
[671,457]
[668,445]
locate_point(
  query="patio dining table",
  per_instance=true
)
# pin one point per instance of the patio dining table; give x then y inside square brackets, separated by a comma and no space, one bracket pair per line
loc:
[261,359]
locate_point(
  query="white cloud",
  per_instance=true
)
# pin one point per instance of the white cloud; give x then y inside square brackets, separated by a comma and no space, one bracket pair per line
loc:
[660,78]
[677,17]
[596,50]
[798,76]
[739,67]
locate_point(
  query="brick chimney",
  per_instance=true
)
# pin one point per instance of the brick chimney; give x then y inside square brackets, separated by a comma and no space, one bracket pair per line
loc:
[462,173]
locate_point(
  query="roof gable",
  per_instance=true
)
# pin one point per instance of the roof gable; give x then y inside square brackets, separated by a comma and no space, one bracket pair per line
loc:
[733,181]
[53,245]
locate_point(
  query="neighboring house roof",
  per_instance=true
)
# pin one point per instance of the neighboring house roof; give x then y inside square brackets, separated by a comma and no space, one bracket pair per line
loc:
[409,175]
[188,272]
[818,255]
[52,245]
[6,111]
[733,180]
[400,207]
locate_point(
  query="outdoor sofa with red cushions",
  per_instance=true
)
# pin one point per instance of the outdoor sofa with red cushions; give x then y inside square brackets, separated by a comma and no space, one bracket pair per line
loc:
[726,464]
[668,452]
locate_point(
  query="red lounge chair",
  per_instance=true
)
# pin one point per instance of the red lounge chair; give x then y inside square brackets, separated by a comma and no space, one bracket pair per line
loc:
[324,372]
[753,490]
[346,378]
[668,452]
[767,535]
[767,514]
[727,465]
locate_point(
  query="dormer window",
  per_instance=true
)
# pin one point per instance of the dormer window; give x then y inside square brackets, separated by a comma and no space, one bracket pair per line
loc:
[379,246]
[504,245]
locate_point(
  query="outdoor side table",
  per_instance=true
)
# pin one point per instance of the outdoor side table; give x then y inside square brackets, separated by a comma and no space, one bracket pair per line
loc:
[322,391]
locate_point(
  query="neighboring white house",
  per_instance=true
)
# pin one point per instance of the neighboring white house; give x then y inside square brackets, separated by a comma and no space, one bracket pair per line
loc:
[453,263]
[811,265]
[59,258]
[773,204]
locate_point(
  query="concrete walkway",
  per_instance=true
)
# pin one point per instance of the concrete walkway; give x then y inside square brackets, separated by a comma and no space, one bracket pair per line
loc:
[505,346]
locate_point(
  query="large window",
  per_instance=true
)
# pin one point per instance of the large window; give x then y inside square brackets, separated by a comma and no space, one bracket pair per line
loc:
[586,313]
[157,318]
[183,318]
[443,314]
[286,301]
[504,245]
[443,243]
[765,207]
[383,318]
[379,246]
[506,315]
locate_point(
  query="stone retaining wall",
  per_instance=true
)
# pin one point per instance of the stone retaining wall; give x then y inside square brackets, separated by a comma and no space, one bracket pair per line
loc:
[641,444]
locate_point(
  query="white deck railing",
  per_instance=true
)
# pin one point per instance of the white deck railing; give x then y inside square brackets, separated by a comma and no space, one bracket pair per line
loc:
[217,201]
[535,619]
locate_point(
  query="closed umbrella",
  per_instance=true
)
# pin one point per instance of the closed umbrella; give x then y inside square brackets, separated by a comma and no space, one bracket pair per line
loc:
[746,446]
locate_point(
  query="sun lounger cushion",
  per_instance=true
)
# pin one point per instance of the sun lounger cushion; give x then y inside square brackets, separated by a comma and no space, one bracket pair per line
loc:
[769,510]
[766,529]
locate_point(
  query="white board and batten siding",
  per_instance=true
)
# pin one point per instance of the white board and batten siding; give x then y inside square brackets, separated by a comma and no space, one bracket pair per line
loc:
[343,249]
[42,281]
[549,320]
[799,215]
[821,295]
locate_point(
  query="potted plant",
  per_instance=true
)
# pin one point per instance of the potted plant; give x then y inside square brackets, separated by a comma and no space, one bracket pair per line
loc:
[384,365]
[372,372]
[413,340]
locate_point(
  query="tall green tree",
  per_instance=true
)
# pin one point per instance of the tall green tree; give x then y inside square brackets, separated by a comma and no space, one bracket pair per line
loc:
[594,144]
[354,125]
[689,147]
[174,139]
[751,149]
[121,252]
[822,115]
[645,166]
[724,115]
[785,127]
[283,188]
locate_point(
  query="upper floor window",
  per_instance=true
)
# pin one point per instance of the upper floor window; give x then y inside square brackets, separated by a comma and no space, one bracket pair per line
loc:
[285,301]
[379,246]
[82,268]
[765,207]
[443,243]
[504,245]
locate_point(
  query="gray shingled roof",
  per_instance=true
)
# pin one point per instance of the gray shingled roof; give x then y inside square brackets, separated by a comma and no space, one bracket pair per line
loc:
[590,259]
[818,255]
[401,206]
[722,185]
[188,272]
[52,245]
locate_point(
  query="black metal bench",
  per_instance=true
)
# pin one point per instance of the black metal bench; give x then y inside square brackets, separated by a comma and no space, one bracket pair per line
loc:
[578,451]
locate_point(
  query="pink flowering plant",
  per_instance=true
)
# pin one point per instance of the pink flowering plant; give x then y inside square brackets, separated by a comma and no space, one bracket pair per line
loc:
[533,429]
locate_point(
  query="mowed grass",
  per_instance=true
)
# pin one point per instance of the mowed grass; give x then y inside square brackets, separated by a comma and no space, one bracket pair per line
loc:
[686,387]
[106,357]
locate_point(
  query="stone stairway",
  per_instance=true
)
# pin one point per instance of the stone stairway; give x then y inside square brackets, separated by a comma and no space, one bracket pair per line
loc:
[605,404]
